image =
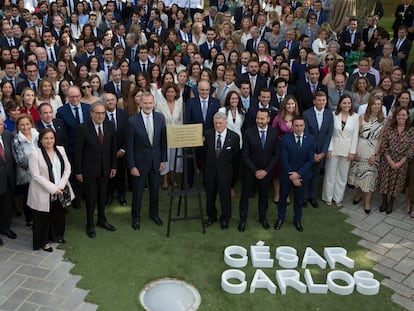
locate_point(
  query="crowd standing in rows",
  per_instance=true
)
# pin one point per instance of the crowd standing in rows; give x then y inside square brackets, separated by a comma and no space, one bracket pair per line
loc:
[88,88]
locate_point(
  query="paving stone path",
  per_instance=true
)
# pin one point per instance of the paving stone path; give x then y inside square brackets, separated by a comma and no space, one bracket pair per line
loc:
[40,281]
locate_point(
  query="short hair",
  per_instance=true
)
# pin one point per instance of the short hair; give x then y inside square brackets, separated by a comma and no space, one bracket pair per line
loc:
[95,104]
[220,115]
[39,109]
[279,80]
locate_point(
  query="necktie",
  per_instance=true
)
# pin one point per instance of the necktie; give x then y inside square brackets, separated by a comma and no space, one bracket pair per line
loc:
[100,135]
[252,85]
[313,89]
[34,87]
[2,154]
[133,53]
[77,117]
[288,45]
[298,142]
[225,88]
[144,69]
[118,90]
[204,108]
[370,33]
[49,126]
[11,43]
[52,55]
[280,100]
[113,119]
[262,138]
[218,145]
[254,45]
[398,44]
[352,37]
[340,93]
[150,129]
[108,71]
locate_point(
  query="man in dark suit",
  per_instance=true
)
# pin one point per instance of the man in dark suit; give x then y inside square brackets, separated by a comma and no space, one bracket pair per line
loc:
[46,120]
[278,92]
[295,4]
[49,44]
[209,44]
[257,82]
[387,51]
[222,153]
[208,20]
[290,43]
[222,6]
[146,157]
[202,109]
[363,68]
[7,182]
[319,123]
[404,15]
[8,39]
[98,32]
[95,163]
[73,115]
[185,31]
[349,37]
[131,50]
[335,93]
[90,49]
[119,35]
[119,118]
[251,44]
[241,12]
[159,29]
[117,86]
[284,72]
[260,154]
[9,68]
[264,103]
[307,90]
[368,34]
[402,46]
[297,152]
[32,73]
[246,99]
[143,62]
[321,16]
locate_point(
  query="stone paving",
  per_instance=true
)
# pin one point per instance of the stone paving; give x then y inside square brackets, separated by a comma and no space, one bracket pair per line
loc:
[41,281]
[37,280]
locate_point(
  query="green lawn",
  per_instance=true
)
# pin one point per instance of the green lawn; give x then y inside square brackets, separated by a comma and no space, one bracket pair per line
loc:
[116,266]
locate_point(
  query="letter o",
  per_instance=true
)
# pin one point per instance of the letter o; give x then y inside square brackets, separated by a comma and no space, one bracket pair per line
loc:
[339,289]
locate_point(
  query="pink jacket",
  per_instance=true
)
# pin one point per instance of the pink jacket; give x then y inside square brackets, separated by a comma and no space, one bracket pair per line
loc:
[40,187]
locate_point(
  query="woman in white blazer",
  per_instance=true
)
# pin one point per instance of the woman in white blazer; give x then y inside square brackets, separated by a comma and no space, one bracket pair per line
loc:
[341,152]
[50,170]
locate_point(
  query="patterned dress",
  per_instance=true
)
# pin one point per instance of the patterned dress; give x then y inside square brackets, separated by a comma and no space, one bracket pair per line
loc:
[361,174]
[397,146]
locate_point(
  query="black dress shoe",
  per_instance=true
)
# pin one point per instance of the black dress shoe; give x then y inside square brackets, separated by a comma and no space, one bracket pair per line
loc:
[242,226]
[305,204]
[278,224]
[314,203]
[107,226]
[48,249]
[157,221]
[367,211]
[135,225]
[9,233]
[108,201]
[91,232]
[209,222]
[265,224]
[1,242]
[224,224]
[122,201]
[298,226]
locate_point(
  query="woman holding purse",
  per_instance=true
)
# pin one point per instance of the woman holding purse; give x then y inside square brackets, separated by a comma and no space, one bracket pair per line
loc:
[50,170]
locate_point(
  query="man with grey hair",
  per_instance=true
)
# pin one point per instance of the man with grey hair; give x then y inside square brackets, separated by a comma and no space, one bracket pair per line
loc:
[222,149]
[95,163]
[146,157]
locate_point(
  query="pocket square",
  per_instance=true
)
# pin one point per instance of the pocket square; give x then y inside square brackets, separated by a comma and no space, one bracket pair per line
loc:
[228,148]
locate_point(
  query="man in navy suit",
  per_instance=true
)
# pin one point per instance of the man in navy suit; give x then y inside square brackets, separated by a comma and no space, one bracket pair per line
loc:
[7,182]
[95,163]
[349,37]
[297,152]
[404,15]
[290,43]
[185,31]
[319,123]
[8,40]
[260,154]
[32,73]
[209,44]
[146,156]
[131,50]
[119,118]
[117,86]
[241,12]
[321,16]
[264,103]
[307,90]
[90,49]
[46,120]
[247,100]
[143,63]
[257,82]
[363,68]
[159,29]
[252,43]
[402,46]
[73,115]
[222,160]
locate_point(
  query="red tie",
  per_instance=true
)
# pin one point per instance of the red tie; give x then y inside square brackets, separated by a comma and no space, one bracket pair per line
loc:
[2,154]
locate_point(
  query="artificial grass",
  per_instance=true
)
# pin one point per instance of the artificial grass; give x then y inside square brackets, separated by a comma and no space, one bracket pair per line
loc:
[115,266]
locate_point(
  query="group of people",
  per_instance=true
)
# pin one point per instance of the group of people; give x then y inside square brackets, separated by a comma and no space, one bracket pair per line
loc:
[89,87]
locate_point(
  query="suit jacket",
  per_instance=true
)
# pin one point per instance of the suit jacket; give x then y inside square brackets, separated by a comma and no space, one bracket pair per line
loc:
[136,67]
[387,101]
[7,167]
[66,115]
[305,95]
[346,38]
[344,141]
[60,131]
[23,84]
[294,160]
[93,159]
[140,153]
[193,112]
[83,58]
[4,42]
[219,92]
[323,17]
[261,83]
[354,76]
[162,35]
[257,157]
[128,53]
[333,98]
[250,120]
[125,88]
[204,50]
[405,48]
[294,48]
[322,135]
[403,19]
[250,45]
[224,166]
[239,13]
[121,128]
[41,187]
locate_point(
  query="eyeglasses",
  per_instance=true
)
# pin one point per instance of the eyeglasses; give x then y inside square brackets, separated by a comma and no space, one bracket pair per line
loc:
[99,113]
[84,87]
[312,18]
[329,58]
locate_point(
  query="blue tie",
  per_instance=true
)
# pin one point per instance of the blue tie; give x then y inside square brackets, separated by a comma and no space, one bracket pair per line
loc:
[263,138]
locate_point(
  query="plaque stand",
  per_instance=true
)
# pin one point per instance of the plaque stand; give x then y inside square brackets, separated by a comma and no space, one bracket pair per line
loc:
[189,157]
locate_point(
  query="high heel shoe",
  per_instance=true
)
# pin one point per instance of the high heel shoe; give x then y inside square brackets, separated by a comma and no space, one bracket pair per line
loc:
[356,201]
[390,206]
[384,204]
[367,211]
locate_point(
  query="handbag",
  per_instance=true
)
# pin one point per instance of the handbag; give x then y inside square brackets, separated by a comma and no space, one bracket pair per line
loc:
[64,198]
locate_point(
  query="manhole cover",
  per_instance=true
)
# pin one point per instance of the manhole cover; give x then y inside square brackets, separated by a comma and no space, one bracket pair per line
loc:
[169,295]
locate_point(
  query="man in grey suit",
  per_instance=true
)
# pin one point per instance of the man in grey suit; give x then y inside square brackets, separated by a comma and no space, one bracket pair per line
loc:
[335,93]
[146,156]
[319,123]
[228,85]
